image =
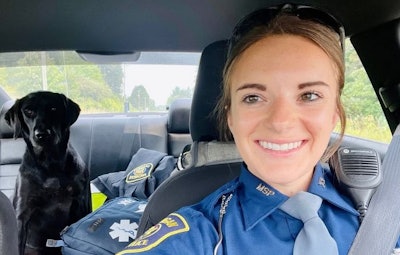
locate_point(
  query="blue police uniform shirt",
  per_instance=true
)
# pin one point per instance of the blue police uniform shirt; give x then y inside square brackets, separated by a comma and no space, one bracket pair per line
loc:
[252,222]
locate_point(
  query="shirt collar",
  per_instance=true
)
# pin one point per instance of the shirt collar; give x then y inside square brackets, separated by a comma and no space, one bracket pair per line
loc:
[322,185]
[252,192]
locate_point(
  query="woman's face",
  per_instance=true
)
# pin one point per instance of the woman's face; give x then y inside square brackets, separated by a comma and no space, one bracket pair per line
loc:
[283,109]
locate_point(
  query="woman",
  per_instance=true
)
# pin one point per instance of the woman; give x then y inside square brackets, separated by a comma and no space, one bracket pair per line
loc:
[281,100]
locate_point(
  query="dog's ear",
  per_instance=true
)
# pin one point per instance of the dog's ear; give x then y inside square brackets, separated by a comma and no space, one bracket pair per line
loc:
[72,110]
[12,118]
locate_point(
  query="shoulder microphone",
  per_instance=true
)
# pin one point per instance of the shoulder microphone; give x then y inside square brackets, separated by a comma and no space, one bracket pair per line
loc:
[358,173]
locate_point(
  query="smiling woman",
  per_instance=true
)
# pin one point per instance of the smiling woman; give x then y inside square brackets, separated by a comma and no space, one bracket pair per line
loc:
[280,102]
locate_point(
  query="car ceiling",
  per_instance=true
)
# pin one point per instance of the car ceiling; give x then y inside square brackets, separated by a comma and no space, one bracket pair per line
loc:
[114,26]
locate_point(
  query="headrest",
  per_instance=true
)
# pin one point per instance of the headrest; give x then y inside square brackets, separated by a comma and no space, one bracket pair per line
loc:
[178,116]
[203,124]
[5,130]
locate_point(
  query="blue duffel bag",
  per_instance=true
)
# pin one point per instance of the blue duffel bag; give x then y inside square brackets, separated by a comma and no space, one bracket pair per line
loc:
[105,231]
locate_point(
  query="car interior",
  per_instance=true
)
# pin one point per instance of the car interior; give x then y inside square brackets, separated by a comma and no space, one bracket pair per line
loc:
[119,30]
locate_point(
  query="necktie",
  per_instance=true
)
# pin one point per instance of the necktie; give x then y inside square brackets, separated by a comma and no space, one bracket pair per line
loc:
[313,238]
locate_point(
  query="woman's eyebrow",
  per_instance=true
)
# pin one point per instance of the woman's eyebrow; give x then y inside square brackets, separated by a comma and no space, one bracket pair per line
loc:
[252,86]
[312,83]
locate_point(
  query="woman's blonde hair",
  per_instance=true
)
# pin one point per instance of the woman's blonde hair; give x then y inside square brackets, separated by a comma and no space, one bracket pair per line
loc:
[325,37]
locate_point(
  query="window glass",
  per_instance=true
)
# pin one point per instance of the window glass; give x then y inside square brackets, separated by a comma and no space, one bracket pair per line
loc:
[148,84]
[365,117]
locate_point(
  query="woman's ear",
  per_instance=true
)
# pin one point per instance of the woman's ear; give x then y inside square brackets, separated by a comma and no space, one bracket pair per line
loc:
[228,118]
[335,118]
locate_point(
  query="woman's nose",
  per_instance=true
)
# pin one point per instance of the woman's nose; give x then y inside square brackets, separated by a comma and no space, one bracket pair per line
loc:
[281,115]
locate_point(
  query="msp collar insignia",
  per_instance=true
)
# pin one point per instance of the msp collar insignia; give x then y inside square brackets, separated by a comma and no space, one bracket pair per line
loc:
[265,190]
[139,173]
[170,226]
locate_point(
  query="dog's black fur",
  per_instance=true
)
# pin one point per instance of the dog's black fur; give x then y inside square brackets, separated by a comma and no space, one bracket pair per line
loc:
[52,189]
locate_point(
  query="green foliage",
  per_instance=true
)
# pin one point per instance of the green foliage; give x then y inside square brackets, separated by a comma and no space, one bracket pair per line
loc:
[113,76]
[364,114]
[178,92]
[140,99]
[83,83]
[370,128]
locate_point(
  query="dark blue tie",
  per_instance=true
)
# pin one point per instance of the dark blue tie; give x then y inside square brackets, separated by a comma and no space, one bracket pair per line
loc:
[314,238]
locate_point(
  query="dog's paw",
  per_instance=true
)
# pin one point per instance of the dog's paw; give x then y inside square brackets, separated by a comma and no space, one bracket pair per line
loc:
[52,183]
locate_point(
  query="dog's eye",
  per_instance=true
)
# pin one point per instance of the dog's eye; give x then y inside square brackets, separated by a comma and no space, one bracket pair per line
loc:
[29,113]
[53,109]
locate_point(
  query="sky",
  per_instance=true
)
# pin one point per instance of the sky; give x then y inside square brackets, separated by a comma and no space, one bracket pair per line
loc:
[159,80]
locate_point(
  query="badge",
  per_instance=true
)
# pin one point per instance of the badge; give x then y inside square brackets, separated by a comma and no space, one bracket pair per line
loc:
[170,226]
[139,173]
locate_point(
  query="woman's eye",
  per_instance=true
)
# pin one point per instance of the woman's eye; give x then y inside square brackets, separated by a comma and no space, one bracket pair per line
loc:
[310,96]
[251,99]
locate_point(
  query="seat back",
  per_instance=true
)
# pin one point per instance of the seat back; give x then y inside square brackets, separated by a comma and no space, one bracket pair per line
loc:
[202,177]
[178,126]
[11,152]
[8,227]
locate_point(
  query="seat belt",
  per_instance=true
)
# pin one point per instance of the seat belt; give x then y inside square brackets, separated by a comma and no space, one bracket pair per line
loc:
[128,136]
[380,229]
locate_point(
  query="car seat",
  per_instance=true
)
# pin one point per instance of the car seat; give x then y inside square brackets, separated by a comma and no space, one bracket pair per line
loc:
[191,185]
[8,227]
[178,125]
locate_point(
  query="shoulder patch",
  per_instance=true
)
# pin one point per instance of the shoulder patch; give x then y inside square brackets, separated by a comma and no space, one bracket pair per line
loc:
[169,226]
[139,173]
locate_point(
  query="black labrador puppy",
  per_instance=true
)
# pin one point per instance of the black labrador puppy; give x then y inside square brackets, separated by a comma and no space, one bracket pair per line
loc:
[52,189]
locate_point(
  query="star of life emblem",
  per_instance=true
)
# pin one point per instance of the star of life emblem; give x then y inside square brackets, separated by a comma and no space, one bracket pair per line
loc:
[123,230]
[126,202]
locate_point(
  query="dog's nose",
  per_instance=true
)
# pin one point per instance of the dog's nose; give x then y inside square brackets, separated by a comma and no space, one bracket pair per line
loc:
[42,134]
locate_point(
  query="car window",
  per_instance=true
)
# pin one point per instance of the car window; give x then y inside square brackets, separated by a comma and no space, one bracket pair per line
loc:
[149,84]
[365,117]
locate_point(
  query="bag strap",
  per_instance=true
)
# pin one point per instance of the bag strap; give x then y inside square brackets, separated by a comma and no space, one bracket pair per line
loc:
[380,228]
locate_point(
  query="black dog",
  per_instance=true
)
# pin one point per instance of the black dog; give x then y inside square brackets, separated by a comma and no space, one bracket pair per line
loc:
[52,189]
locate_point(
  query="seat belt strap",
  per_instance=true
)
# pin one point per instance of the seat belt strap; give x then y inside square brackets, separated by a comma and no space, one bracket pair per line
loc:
[130,132]
[380,230]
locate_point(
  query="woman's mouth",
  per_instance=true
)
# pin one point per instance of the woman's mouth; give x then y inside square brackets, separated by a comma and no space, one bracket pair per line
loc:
[281,146]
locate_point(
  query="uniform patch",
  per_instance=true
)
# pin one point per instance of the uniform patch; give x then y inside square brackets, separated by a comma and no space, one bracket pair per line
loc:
[170,226]
[139,173]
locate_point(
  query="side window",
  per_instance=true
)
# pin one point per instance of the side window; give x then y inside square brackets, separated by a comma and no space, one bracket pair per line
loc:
[365,117]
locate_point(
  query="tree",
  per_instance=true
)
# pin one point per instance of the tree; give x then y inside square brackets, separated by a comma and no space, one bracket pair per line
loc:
[178,92]
[358,97]
[364,114]
[113,76]
[140,99]
[84,83]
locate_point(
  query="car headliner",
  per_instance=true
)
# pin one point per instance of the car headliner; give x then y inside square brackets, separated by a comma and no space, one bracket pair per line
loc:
[153,25]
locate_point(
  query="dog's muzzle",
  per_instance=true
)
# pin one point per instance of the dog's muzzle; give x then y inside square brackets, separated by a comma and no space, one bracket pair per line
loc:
[42,135]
